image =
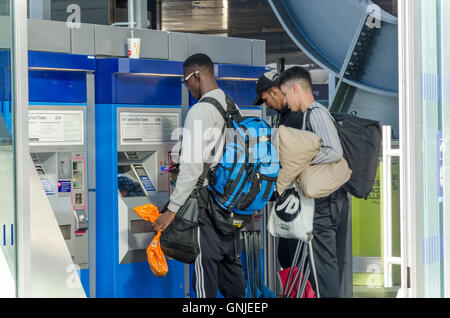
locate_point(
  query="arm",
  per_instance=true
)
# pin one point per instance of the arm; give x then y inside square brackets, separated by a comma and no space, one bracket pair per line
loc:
[322,125]
[296,150]
[191,164]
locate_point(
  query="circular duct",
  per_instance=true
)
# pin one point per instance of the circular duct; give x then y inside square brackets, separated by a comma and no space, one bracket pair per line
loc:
[354,39]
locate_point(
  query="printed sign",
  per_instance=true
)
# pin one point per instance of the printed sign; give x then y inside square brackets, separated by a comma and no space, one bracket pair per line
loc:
[64,186]
[146,128]
[55,127]
[147,183]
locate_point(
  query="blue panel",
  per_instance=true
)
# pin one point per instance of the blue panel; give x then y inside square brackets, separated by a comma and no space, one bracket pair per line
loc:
[242,92]
[84,277]
[228,70]
[148,90]
[137,281]
[61,61]
[105,85]
[113,279]
[126,81]
[6,114]
[5,75]
[57,86]
[106,200]
[149,66]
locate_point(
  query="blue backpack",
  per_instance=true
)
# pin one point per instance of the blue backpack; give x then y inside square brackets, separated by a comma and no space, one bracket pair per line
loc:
[244,180]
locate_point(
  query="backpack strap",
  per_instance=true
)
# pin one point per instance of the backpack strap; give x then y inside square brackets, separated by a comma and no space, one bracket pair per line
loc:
[231,111]
[216,104]
[308,120]
[207,166]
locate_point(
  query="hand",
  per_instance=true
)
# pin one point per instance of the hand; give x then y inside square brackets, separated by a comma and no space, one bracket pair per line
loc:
[164,221]
[174,168]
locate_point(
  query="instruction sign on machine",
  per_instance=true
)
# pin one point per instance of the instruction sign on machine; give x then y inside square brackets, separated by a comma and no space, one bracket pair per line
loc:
[48,127]
[146,128]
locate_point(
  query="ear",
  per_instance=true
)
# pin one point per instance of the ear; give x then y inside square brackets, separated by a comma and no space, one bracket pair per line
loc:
[277,91]
[295,88]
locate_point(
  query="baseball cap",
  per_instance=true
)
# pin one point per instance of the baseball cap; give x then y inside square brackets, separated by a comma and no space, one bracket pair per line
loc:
[266,81]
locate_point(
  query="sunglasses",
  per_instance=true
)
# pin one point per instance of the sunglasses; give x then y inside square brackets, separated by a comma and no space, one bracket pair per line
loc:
[184,80]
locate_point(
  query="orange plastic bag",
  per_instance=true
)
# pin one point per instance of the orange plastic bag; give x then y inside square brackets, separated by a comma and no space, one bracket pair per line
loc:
[148,212]
[156,258]
[155,255]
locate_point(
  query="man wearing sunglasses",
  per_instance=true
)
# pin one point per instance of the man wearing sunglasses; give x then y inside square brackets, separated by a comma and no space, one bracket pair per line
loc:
[218,265]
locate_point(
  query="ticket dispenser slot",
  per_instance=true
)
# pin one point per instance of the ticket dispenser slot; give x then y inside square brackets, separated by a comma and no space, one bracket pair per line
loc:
[63,178]
[137,185]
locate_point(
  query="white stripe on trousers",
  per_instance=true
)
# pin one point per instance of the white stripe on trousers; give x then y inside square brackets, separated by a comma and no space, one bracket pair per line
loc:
[200,282]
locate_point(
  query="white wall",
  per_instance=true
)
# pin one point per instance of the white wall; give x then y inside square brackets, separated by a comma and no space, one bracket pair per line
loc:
[7,286]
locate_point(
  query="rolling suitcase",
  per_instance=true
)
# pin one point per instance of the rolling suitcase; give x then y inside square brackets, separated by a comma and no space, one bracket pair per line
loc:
[294,280]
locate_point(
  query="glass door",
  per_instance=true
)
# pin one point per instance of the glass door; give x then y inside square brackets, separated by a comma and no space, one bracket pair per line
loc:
[8,242]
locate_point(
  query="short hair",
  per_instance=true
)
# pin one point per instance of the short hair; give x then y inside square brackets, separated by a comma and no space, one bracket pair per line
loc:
[199,60]
[296,73]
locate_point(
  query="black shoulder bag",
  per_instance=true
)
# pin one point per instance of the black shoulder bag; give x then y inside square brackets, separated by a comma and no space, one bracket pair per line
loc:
[180,239]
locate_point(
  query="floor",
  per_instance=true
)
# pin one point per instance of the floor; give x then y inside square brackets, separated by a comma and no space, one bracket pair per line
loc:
[367,292]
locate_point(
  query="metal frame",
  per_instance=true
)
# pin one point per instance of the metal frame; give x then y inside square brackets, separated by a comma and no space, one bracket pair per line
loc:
[410,148]
[20,96]
[90,123]
[388,259]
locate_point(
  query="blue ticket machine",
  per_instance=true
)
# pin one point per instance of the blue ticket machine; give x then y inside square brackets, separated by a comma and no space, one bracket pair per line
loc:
[239,82]
[58,139]
[138,116]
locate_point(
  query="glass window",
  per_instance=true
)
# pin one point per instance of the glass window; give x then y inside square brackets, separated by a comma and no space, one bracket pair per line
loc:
[8,252]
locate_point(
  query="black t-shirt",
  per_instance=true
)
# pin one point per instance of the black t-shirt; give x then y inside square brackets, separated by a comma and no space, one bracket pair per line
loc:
[289,118]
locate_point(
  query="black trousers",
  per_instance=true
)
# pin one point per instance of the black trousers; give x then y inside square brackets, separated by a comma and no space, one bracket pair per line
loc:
[329,243]
[218,266]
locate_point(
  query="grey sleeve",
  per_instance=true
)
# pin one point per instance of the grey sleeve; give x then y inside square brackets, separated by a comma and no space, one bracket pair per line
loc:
[190,170]
[322,125]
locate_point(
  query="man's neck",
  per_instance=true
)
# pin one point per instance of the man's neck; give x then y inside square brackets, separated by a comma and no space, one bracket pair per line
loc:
[308,102]
[208,88]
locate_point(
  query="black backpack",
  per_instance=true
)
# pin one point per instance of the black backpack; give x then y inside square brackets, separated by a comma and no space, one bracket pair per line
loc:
[361,142]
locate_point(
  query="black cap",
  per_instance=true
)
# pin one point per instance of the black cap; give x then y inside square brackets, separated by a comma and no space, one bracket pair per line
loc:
[265,82]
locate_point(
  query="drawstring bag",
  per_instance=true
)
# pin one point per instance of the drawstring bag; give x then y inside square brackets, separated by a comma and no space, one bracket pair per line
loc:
[155,255]
[292,216]
[156,258]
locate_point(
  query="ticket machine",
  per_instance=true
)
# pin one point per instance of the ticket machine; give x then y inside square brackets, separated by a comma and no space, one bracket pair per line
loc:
[239,82]
[58,143]
[138,112]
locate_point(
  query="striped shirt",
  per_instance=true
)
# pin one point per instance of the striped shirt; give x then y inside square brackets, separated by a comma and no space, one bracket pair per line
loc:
[323,126]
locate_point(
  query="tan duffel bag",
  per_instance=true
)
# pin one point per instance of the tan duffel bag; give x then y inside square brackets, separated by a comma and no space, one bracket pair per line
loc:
[297,149]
